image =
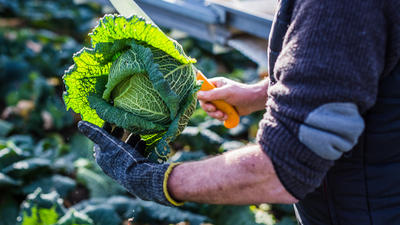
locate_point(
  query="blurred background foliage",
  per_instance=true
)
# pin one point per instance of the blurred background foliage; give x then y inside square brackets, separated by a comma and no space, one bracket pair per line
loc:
[47,172]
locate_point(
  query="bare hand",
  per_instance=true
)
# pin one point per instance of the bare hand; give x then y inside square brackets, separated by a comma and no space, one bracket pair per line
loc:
[245,98]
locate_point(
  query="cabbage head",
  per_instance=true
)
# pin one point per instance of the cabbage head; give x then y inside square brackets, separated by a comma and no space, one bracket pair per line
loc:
[136,77]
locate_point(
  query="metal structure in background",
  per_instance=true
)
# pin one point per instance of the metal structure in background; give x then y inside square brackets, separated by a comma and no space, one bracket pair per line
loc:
[240,24]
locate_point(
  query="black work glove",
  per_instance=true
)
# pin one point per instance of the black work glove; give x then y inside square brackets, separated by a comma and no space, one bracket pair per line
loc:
[123,163]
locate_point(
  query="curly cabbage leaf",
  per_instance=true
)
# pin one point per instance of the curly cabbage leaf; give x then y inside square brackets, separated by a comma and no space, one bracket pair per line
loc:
[135,77]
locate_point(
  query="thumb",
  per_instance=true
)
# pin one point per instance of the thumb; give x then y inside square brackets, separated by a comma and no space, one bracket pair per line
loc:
[214,94]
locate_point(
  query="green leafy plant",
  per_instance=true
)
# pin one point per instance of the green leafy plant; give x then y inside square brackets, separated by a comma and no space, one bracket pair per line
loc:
[40,216]
[72,217]
[135,77]
[41,209]
[38,38]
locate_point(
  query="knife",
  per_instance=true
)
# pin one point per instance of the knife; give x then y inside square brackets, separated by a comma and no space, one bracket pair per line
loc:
[128,8]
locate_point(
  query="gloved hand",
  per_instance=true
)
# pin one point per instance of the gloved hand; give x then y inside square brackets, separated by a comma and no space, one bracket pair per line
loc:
[123,163]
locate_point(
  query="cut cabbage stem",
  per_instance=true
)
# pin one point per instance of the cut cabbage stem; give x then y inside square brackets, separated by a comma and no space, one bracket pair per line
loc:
[233,116]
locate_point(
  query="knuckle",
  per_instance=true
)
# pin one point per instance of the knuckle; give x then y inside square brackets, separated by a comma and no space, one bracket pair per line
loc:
[210,108]
[216,115]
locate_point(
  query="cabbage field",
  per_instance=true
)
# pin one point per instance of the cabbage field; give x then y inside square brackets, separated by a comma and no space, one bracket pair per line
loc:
[47,172]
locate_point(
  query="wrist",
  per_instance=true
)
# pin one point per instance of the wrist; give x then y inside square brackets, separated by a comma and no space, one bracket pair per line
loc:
[168,191]
[176,183]
[259,94]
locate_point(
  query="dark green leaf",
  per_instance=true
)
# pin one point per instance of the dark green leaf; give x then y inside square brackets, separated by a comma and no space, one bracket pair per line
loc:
[201,139]
[8,210]
[5,128]
[40,216]
[59,116]
[125,207]
[102,214]
[91,202]
[8,182]
[122,205]
[98,184]
[63,185]
[24,142]
[214,125]
[231,145]
[153,212]
[9,154]
[50,147]
[199,116]
[284,208]
[142,211]
[287,221]
[238,215]
[41,209]
[28,167]
[81,146]
[65,163]
[241,130]
[183,156]
[73,217]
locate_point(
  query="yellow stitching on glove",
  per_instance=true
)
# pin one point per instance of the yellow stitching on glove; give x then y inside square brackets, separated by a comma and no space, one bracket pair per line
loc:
[165,188]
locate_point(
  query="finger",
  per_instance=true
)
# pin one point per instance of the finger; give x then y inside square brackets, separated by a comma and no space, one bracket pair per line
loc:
[214,94]
[218,115]
[98,135]
[208,107]
[218,81]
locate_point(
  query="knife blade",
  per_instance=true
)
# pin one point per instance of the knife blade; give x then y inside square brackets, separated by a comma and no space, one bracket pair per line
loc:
[128,8]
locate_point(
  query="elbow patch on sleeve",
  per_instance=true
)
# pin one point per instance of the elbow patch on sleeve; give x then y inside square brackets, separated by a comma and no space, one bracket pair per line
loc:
[332,129]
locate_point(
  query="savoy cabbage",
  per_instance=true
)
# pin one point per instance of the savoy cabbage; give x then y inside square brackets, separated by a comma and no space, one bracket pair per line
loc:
[136,77]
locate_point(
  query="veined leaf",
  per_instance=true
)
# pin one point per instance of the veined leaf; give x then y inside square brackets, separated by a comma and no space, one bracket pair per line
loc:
[135,77]
[113,28]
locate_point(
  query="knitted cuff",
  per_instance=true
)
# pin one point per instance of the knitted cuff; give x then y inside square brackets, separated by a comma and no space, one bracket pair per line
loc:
[156,187]
[165,188]
[299,169]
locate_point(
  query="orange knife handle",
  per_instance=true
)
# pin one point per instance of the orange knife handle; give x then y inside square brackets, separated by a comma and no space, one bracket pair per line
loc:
[233,116]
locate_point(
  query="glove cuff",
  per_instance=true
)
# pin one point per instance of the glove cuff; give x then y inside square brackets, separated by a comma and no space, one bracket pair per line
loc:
[165,188]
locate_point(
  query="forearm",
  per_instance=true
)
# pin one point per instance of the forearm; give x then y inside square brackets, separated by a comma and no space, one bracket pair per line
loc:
[244,176]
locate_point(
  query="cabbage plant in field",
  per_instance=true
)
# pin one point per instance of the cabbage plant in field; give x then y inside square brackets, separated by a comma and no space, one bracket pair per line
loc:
[136,77]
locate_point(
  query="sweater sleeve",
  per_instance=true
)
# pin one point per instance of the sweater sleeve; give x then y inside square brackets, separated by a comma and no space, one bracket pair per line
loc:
[327,76]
